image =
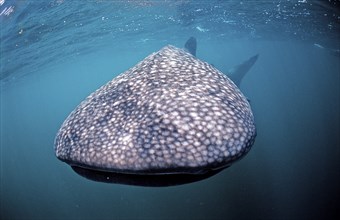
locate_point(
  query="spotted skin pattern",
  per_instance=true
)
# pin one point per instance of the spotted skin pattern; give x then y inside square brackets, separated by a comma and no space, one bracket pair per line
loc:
[171,113]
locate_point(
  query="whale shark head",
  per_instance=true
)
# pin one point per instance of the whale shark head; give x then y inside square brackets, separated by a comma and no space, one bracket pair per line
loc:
[171,114]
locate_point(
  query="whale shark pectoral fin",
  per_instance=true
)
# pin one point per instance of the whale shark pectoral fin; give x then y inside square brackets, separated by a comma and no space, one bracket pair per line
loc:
[237,73]
[191,45]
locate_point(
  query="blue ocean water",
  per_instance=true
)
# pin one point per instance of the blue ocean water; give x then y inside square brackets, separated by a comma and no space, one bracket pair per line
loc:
[55,53]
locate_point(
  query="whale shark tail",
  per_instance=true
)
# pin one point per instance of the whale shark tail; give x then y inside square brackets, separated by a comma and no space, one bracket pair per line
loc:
[237,73]
[191,45]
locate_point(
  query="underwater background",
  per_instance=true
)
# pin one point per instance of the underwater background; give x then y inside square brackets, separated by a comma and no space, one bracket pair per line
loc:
[53,54]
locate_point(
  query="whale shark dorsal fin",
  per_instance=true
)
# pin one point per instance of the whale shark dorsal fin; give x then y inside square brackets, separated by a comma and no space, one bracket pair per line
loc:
[191,45]
[237,73]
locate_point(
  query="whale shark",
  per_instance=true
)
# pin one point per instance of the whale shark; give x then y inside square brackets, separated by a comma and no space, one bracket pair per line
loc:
[169,120]
[237,73]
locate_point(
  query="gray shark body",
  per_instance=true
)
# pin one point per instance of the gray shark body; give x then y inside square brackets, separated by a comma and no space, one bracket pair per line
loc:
[169,120]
